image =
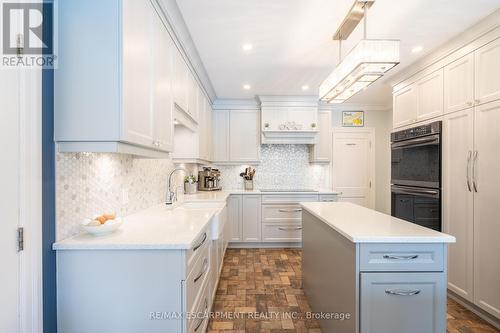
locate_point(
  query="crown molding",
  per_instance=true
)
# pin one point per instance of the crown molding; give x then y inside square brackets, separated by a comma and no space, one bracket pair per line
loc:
[466,41]
[236,104]
[179,32]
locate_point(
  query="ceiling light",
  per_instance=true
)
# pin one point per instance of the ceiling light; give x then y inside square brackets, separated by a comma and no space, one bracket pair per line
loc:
[247,47]
[365,63]
[417,49]
[305,87]
[247,87]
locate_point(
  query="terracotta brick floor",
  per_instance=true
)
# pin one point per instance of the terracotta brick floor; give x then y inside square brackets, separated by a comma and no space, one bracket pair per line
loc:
[260,291]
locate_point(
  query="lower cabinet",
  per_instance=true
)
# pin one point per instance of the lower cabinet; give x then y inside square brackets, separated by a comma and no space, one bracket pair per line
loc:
[234,215]
[281,232]
[251,218]
[403,302]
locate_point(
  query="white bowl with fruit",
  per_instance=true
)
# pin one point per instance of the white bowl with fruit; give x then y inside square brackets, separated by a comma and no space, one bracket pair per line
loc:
[102,224]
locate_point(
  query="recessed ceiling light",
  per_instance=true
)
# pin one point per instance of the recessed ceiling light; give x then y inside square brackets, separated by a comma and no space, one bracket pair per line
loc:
[417,49]
[247,47]
[247,87]
[305,87]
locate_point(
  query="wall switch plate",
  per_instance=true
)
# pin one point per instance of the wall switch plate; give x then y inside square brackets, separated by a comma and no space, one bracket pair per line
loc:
[125,199]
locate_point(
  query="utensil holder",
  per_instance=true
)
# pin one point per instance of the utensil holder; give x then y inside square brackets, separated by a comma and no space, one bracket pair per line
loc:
[248,185]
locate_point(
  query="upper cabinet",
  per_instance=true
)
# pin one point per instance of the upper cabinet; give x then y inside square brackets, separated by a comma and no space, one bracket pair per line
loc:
[459,84]
[181,83]
[321,152]
[487,71]
[430,96]
[405,106]
[113,93]
[236,136]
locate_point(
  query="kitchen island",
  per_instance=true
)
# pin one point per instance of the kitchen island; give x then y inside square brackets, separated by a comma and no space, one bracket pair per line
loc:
[368,272]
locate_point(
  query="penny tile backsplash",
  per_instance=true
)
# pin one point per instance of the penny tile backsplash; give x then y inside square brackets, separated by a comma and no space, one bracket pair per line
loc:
[88,184]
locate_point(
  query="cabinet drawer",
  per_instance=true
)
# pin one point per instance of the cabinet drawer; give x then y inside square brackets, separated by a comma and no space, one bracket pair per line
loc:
[281,232]
[403,302]
[288,198]
[402,257]
[198,321]
[193,254]
[281,213]
[197,277]
[327,197]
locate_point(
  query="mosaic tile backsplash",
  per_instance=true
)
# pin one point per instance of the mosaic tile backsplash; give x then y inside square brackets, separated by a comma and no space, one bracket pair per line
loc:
[91,184]
[281,167]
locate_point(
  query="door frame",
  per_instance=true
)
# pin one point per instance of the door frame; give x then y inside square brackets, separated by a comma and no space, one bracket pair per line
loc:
[30,201]
[357,130]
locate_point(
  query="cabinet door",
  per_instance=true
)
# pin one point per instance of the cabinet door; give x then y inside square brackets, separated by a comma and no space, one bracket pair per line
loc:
[251,218]
[405,106]
[459,84]
[486,200]
[180,82]
[208,127]
[488,72]
[193,92]
[430,96]
[244,136]
[202,125]
[321,151]
[137,73]
[403,302]
[162,94]
[234,215]
[220,144]
[458,199]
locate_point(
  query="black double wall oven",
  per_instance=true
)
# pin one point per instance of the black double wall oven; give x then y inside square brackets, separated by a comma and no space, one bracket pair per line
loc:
[416,175]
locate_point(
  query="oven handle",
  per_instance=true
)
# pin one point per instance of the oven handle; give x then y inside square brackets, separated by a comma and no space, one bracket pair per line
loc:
[417,142]
[415,191]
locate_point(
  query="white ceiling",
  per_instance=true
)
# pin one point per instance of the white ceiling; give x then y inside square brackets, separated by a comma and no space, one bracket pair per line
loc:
[292,39]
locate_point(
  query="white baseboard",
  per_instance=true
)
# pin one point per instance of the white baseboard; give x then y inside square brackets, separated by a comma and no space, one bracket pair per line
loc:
[264,245]
[473,308]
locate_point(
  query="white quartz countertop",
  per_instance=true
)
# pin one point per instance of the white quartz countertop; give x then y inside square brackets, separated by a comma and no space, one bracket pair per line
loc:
[363,225]
[155,228]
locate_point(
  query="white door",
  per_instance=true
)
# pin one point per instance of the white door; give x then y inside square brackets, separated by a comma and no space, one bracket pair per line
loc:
[459,84]
[9,199]
[220,139]
[486,177]
[251,219]
[487,72]
[353,165]
[405,106]
[430,96]
[458,199]
[234,215]
[244,135]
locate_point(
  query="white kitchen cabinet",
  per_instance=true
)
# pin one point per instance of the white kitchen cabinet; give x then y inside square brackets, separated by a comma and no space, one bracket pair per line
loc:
[220,135]
[459,84]
[486,180]
[487,72]
[234,217]
[127,108]
[458,199]
[193,92]
[251,218]
[180,84]
[204,127]
[244,136]
[405,106]
[235,136]
[430,96]
[321,151]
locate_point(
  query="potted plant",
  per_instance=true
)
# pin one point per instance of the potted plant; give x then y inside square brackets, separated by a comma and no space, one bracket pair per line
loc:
[190,184]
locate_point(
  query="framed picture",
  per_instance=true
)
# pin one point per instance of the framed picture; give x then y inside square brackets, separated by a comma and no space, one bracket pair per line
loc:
[353,118]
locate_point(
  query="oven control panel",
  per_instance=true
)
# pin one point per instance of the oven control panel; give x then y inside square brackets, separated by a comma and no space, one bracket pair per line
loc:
[415,132]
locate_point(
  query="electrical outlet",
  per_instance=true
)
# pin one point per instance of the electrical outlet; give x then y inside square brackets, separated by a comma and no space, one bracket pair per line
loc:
[125,199]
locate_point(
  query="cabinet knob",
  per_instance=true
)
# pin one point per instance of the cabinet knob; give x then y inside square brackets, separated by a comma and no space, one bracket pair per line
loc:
[470,103]
[478,101]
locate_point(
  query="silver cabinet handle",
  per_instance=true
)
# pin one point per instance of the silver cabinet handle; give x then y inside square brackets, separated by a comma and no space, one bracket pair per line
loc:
[474,167]
[328,200]
[201,243]
[203,270]
[402,292]
[415,256]
[287,229]
[296,210]
[469,156]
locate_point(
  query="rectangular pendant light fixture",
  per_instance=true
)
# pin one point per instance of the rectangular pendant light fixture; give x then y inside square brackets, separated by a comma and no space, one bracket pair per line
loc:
[365,63]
